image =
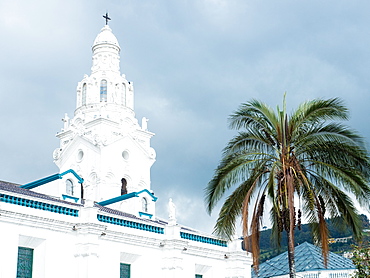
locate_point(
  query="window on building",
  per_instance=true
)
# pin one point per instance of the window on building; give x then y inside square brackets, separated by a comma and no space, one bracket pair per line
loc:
[69,187]
[25,262]
[145,205]
[198,276]
[123,186]
[103,90]
[84,94]
[125,271]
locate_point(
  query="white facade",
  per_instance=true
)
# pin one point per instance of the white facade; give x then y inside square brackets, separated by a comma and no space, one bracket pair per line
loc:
[83,246]
[89,230]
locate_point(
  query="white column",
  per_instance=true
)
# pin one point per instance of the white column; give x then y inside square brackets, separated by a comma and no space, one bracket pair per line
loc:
[87,247]
[9,252]
[238,261]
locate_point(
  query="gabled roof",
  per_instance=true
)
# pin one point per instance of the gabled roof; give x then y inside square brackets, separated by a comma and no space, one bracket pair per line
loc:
[127,196]
[308,257]
[128,215]
[15,188]
[51,178]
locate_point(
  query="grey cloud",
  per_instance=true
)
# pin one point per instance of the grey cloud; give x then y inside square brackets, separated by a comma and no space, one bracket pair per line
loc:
[192,64]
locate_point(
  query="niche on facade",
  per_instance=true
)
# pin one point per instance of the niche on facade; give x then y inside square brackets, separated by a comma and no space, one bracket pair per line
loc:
[70,187]
[125,155]
[123,186]
[144,203]
[80,155]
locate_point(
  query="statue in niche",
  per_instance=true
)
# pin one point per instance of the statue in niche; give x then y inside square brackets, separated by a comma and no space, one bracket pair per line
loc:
[123,186]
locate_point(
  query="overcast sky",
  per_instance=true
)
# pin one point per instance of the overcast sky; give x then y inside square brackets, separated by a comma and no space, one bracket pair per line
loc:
[192,62]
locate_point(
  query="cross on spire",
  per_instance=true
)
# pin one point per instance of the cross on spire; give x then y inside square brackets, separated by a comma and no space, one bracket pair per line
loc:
[106,18]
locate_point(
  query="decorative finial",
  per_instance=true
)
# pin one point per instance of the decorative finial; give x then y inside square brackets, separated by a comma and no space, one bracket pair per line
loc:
[106,18]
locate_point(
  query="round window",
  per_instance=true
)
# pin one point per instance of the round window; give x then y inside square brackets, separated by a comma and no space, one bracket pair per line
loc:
[125,155]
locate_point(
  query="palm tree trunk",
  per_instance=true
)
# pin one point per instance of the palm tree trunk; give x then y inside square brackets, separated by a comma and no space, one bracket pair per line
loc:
[291,261]
[290,233]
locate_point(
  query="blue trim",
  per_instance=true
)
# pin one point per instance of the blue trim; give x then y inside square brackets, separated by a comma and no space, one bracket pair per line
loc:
[145,214]
[150,194]
[130,224]
[203,239]
[70,197]
[38,205]
[117,199]
[40,182]
[127,196]
[80,180]
[50,179]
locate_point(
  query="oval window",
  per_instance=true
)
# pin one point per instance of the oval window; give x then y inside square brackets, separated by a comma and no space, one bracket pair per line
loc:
[125,155]
[80,155]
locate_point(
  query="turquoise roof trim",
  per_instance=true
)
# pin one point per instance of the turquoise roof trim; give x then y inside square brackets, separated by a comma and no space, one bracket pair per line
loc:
[50,179]
[70,197]
[127,196]
[130,224]
[203,239]
[145,214]
[38,205]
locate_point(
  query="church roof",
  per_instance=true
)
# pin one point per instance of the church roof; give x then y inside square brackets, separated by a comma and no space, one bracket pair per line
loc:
[127,196]
[16,188]
[308,257]
[128,215]
[15,194]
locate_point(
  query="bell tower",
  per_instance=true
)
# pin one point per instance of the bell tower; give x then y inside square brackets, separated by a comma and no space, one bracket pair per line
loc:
[103,142]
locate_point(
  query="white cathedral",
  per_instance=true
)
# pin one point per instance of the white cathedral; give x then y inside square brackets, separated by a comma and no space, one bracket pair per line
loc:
[96,217]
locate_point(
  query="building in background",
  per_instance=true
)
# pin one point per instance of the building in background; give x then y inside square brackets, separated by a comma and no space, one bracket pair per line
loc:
[309,264]
[96,217]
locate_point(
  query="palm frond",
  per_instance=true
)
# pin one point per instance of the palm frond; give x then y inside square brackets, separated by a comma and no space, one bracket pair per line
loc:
[275,158]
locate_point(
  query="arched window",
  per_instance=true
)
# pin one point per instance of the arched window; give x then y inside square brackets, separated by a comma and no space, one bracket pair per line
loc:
[69,187]
[103,91]
[145,204]
[84,94]
[123,186]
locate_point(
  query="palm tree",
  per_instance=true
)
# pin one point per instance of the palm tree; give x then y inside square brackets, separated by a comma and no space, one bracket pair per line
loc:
[307,160]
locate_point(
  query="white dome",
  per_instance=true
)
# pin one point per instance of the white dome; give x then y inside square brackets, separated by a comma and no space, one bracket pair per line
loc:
[106,37]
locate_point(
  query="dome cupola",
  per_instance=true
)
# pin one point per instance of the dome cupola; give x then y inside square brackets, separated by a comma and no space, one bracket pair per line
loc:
[106,39]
